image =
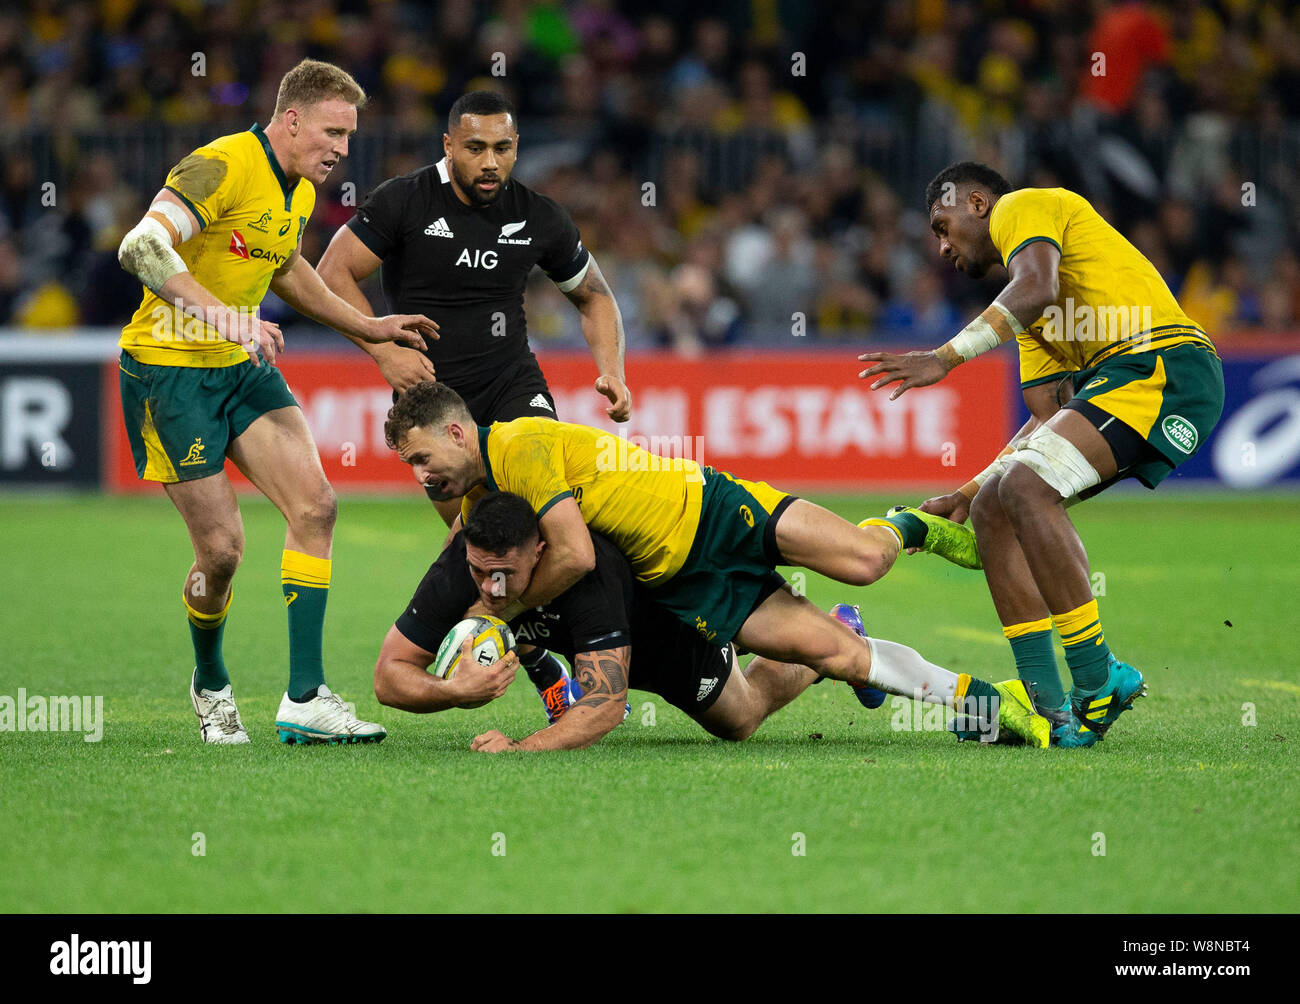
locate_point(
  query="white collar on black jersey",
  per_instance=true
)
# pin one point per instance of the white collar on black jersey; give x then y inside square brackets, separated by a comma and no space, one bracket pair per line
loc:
[442,171]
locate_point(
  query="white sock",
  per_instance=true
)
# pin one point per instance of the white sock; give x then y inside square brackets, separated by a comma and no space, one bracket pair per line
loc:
[897,669]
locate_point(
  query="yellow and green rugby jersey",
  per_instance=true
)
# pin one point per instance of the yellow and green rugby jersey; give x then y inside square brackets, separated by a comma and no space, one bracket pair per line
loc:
[250,222]
[1112,300]
[648,505]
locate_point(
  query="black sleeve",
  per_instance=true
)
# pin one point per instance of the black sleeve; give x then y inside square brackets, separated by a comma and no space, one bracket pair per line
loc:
[595,610]
[563,256]
[378,221]
[440,601]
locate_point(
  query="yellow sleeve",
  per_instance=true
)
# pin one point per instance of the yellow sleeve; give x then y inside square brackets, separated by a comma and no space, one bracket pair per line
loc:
[1025,216]
[1039,362]
[531,464]
[207,181]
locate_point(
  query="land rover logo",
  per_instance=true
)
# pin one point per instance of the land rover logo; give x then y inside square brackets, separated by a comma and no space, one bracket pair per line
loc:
[1181,433]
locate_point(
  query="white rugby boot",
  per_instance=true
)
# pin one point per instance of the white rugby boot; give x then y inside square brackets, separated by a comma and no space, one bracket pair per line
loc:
[323,719]
[218,717]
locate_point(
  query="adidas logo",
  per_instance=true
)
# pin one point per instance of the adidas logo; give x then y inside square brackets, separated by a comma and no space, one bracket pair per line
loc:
[706,688]
[539,401]
[438,228]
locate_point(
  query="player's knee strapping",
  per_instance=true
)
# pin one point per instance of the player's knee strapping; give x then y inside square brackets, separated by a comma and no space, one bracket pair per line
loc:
[1057,461]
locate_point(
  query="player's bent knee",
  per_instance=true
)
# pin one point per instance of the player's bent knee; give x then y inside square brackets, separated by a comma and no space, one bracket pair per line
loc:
[219,559]
[867,566]
[382,683]
[1046,467]
[732,732]
[986,510]
[318,514]
[1021,489]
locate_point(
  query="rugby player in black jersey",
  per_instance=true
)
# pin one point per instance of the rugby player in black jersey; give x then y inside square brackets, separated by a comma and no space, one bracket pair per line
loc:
[457,240]
[607,625]
[616,634]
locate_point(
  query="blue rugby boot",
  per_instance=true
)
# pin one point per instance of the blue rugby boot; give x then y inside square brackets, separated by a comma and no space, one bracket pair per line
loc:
[869,697]
[1098,710]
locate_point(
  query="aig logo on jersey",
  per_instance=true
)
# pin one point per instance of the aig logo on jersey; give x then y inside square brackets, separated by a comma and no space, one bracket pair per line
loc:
[477,258]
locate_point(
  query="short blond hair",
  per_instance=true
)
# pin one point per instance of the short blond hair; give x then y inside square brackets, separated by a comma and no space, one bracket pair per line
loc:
[311,82]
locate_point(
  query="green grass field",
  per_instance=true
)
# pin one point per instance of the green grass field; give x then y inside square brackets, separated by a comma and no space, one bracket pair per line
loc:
[1198,810]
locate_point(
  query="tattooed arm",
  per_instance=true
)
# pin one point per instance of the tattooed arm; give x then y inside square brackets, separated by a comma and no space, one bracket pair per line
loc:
[603,678]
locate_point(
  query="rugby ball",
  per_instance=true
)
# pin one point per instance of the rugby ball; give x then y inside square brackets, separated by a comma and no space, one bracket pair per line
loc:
[491,637]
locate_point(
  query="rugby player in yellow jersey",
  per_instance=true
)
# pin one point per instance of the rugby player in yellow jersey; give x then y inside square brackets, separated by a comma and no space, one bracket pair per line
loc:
[1096,323]
[704,542]
[226,227]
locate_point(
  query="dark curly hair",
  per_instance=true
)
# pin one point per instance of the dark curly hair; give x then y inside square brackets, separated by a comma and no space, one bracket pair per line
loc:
[962,173]
[428,403]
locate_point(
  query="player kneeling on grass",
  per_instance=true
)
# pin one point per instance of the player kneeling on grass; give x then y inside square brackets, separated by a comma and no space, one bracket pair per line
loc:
[705,544]
[592,624]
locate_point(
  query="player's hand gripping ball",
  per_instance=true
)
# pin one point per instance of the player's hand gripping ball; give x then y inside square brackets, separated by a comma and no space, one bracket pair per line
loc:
[492,639]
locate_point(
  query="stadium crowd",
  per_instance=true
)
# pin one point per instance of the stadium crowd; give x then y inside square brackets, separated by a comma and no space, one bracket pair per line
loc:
[745,176]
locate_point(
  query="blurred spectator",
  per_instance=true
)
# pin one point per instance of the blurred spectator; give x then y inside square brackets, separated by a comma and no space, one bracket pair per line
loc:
[773,193]
[11,281]
[1127,39]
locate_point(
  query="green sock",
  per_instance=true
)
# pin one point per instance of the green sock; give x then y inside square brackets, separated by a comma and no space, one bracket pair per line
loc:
[305,581]
[1086,651]
[981,688]
[206,631]
[1031,644]
[912,529]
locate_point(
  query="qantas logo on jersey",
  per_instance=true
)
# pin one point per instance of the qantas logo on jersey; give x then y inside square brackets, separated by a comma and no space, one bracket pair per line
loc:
[438,228]
[240,249]
[513,228]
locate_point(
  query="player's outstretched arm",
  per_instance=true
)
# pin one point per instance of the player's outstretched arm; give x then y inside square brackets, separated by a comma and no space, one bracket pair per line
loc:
[603,678]
[1034,286]
[298,285]
[346,263]
[148,252]
[602,326]
[402,679]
